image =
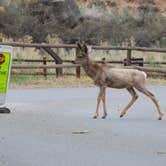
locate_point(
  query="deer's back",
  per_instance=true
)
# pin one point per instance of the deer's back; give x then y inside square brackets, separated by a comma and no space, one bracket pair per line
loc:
[123,78]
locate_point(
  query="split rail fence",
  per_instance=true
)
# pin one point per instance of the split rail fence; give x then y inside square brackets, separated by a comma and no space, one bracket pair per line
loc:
[128,62]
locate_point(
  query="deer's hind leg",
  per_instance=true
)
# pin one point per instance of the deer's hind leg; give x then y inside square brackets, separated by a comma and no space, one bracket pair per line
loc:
[153,98]
[134,98]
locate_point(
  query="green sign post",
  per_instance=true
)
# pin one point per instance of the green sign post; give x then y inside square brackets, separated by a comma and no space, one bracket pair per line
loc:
[5,67]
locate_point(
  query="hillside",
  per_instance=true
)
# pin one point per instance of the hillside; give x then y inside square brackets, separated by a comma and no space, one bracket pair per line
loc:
[116,22]
[131,5]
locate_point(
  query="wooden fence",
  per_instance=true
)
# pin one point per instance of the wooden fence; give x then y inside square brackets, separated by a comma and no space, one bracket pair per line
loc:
[44,66]
[60,63]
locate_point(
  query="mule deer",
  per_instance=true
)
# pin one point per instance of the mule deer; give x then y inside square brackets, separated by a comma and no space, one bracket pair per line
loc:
[105,76]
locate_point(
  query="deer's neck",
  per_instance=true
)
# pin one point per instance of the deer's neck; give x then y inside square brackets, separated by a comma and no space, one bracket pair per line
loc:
[91,69]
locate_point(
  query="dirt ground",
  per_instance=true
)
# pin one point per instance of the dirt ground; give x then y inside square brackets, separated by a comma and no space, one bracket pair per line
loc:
[54,127]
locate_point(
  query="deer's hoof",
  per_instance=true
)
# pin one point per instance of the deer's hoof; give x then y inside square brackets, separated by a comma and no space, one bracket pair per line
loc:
[103,117]
[161,116]
[95,117]
[121,116]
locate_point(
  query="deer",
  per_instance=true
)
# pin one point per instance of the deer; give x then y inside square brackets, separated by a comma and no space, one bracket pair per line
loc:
[106,76]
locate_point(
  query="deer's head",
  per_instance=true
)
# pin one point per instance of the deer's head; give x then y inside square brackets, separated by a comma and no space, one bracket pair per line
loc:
[83,52]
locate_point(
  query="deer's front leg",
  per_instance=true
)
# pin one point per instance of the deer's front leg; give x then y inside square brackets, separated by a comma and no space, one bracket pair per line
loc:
[104,105]
[100,96]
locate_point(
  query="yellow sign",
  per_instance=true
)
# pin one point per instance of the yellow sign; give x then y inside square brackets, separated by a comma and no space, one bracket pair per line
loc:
[4,70]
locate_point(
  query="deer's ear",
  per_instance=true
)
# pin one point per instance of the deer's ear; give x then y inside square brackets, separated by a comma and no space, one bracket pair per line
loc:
[85,48]
[79,46]
[89,49]
[78,49]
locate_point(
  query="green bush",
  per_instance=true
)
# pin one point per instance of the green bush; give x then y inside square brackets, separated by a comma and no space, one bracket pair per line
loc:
[146,27]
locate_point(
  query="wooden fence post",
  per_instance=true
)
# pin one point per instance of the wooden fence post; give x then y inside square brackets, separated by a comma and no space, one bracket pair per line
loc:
[58,60]
[45,69]
[78,72]
[128,63]
[59,72]
[78,69]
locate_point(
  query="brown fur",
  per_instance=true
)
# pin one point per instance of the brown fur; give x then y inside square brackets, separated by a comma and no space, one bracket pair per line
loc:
[105,76]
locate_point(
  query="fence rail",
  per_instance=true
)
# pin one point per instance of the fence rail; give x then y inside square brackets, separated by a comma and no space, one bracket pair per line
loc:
[146,69]
[45,66]
[97,61]
[36,45]
[59,63]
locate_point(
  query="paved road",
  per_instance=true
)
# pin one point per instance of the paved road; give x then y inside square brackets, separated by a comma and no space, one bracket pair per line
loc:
[40,131]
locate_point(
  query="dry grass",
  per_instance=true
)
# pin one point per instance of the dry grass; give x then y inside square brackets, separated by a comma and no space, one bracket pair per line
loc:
[63,82]
[155,81]
[50,82]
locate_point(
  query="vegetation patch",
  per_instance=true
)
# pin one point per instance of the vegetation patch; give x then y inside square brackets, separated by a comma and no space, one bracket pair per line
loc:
[19,82]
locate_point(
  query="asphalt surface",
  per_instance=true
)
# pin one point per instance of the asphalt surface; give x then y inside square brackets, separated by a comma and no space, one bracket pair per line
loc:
[54,127]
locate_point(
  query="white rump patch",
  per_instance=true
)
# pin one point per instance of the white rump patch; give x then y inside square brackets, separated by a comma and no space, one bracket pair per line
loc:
[89,49]
[144,74]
